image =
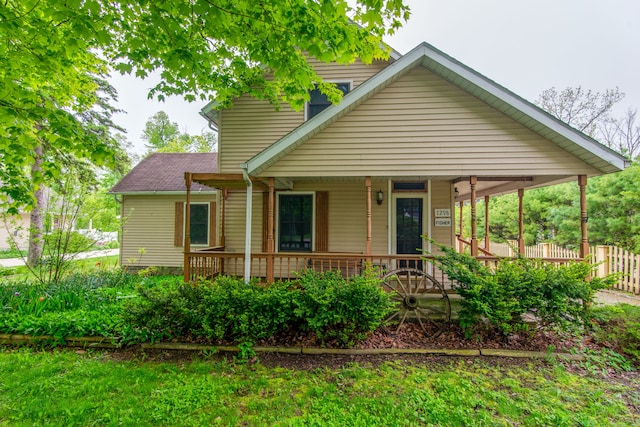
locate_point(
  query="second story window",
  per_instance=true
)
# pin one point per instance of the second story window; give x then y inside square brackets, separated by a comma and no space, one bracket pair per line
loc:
[319,101]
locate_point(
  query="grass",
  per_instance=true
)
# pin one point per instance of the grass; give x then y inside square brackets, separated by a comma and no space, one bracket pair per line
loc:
[64,388]
[101,263]
[12,253]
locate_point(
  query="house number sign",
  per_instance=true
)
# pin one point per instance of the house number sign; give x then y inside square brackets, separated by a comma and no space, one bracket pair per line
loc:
[442,217]
[443,222]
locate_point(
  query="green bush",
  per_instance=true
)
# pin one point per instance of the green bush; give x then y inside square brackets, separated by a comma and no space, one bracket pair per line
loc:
[558,296]
[163,308]
[347,310]
[59,241]
[235,311]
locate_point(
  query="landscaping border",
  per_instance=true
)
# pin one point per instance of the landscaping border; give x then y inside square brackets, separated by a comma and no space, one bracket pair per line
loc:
[106,343]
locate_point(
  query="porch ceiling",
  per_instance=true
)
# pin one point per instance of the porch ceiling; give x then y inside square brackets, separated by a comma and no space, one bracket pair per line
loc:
[496,186]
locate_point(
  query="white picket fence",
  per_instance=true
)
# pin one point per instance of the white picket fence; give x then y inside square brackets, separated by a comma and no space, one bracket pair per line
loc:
[609,260]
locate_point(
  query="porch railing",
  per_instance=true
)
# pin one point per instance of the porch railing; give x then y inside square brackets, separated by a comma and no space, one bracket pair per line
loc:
[285,265]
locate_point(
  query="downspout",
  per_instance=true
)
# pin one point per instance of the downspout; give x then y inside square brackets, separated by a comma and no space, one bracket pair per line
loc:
[247,230]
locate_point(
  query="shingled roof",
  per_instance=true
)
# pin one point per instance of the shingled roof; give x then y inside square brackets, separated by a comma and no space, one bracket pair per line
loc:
[164,172]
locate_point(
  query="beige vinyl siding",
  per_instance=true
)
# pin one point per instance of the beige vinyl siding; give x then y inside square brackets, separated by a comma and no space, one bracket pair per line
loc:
[347,218]
[235,215]
[251,125]
[422,125]
[148,222]
[441,198]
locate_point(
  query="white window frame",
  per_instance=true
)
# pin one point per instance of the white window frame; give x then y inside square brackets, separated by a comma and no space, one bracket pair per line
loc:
[344,81]
[313,216]
[184,233]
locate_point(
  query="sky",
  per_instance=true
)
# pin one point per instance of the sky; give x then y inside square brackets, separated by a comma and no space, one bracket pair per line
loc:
[526,46]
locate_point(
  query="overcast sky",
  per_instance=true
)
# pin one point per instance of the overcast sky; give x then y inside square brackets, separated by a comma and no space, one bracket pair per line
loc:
[525,46]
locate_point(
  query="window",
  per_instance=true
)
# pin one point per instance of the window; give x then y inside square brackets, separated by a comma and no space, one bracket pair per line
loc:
[295,222]
[319,101]
[199,223]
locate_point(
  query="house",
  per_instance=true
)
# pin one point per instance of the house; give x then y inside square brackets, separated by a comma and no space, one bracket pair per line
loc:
[14,231]
[152,200]
[336,185]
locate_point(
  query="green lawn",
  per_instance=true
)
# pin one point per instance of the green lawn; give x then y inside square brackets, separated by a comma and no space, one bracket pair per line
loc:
[65,388]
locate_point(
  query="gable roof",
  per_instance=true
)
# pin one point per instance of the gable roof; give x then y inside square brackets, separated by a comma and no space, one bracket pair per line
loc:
[164,172]
[527,114]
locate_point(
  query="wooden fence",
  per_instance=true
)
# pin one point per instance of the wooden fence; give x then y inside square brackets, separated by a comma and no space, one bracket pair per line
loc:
[609,259]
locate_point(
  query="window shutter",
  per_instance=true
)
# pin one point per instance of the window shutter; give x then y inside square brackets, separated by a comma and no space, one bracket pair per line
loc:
[265,220]
[212,223]
[178,232]
[322,221]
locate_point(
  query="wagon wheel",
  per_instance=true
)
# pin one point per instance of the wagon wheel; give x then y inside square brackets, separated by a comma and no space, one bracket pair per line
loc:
[419,297]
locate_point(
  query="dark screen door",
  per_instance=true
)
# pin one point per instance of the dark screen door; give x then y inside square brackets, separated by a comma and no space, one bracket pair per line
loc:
[409,229]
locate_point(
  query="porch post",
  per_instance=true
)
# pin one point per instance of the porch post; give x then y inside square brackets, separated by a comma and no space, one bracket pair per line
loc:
[487,241]
[188,179]
[584,244]
[367,182]
[521,221]
[270,239]
[474,233]
[460,228]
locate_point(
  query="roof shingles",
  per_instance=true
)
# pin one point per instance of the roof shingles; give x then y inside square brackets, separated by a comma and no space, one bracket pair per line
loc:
[164,172]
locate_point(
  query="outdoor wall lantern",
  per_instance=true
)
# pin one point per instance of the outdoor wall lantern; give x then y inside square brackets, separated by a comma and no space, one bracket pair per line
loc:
[379,197]
[456,192]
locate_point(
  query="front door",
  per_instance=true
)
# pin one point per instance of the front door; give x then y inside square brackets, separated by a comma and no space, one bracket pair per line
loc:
[409,228]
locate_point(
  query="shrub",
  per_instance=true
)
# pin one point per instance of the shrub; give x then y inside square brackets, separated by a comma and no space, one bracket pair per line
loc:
[163,308]
[559,296]
[240,312]
[347,310]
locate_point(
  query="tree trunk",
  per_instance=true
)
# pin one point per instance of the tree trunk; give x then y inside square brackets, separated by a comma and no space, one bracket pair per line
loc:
[36,227]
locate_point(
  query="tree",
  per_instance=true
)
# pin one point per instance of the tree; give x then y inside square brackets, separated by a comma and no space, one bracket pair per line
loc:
[162,135]
[586,111]
[47,88]
[623,134]
[159,131]
[204,50]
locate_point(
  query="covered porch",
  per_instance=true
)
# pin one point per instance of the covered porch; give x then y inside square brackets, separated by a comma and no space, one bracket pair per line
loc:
[270,264]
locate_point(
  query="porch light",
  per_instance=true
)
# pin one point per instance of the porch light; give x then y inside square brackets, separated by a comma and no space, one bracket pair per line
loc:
[455,191]
[379,197]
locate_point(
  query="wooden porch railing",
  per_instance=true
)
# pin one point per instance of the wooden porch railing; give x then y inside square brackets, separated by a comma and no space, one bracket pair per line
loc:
[209,264]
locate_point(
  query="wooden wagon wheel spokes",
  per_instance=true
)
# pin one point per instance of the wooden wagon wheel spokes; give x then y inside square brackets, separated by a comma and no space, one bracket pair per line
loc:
[420,298]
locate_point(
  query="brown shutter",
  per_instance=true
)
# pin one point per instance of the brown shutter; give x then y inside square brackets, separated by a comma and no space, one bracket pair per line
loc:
[322,221]
[265,221]
[212,223]
[178,230]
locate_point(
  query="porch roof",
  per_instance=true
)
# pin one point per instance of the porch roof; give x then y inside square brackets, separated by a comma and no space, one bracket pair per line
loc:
[527,114]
